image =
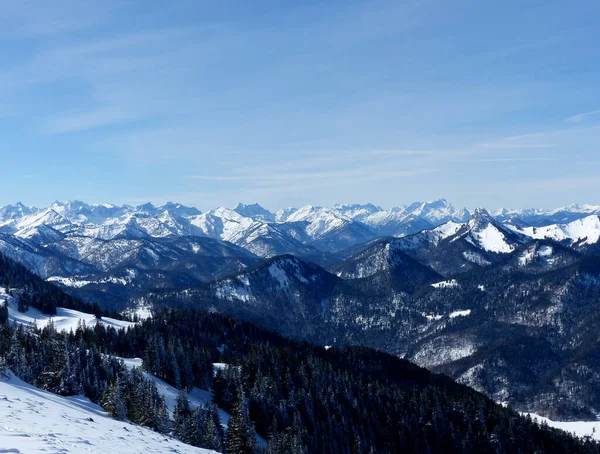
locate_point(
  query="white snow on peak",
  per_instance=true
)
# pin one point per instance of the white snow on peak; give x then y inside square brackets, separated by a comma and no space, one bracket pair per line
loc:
[222,223]
[321,219]
[432,317]
[439,211]
[283,214]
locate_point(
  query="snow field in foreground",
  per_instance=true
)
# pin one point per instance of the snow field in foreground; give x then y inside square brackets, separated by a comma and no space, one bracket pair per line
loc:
[32,421]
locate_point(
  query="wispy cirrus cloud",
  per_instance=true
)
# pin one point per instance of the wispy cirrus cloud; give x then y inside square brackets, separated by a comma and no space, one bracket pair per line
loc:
[582,116]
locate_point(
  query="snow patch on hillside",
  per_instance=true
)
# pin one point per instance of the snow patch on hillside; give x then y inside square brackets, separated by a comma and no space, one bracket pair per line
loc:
[460,313]
[446,284]
[432,317]
[76,282]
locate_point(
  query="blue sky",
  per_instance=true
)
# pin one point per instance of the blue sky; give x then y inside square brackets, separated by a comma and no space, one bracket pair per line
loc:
[208,103]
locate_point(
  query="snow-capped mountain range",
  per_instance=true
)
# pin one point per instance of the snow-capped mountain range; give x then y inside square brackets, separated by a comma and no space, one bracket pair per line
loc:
[244,224]
[116,252]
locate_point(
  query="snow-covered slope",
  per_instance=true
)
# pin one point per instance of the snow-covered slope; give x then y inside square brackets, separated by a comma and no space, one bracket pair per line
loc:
[581,232]
[63,320]
[197,397]
[35,421]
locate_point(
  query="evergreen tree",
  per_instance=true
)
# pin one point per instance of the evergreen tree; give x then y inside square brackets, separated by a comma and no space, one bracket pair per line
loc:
[182,426]
[241,438]
[113,400]
[212,437]
[3,313]
[161,421]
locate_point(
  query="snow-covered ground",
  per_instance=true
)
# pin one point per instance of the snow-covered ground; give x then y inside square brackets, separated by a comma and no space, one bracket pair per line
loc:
[64,320]
[34,421]
[579,428]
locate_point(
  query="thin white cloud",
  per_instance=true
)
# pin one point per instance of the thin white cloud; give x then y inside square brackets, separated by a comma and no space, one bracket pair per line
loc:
[582,116]
[87,120]
[523,141]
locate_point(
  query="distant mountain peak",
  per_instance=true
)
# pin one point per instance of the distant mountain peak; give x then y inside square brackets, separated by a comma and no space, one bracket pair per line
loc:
[147,206]
[178,209]
[482,214]
[482,219]
[254,210]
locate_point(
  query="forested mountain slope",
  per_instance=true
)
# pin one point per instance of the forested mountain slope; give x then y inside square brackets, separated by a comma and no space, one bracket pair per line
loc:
[301,398]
